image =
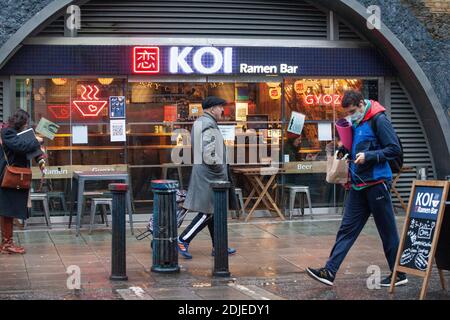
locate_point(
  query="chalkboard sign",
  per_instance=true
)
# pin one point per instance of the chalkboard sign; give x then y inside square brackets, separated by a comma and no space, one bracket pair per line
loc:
[422,230]
[443,248]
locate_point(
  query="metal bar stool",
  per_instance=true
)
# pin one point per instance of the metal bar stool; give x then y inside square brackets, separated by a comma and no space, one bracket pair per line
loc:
[165,169]
[240,196]
[303,190]
[42,197]
[103,202]
[57,195]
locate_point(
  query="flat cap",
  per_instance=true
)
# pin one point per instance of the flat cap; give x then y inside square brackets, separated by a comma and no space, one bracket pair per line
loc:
[212,101]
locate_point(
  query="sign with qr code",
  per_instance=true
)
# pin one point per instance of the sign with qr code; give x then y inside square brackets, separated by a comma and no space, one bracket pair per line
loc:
[118,130]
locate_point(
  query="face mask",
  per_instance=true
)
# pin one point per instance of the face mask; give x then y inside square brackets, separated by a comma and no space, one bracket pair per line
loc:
[356,117]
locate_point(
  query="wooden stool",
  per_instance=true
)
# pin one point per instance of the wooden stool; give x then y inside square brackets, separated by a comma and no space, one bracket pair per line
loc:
[394,187]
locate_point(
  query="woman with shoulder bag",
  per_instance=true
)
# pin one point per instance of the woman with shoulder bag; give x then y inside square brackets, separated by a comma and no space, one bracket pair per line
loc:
[13,201]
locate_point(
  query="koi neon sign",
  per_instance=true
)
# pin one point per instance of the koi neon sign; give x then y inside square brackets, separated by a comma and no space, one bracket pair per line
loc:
[91,105]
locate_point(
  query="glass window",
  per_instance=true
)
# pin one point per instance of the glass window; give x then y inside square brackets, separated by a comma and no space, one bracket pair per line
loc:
[160,114]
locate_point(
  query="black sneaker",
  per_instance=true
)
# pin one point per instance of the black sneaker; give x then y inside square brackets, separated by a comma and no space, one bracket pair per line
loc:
[401,280]
[323,275]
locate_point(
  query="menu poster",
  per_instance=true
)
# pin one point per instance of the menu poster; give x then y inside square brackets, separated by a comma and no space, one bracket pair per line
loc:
[242,93]
[325,133]
[47,128]
[170,113]
[195,109]
[117,106]
[228,132]
[118,130]
[296,123]
[79,135]
[241,111]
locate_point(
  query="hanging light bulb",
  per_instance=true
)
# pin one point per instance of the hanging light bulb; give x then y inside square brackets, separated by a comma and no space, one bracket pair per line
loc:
[105,81]
[59,81]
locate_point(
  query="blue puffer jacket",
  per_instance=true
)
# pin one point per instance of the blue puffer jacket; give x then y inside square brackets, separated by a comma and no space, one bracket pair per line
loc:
[378,150]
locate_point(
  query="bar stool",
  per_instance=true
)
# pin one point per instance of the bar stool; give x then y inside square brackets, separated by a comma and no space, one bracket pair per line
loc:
[167,166]
[42,197]
[59,196]
[103,202]
[240,196]
[303,190]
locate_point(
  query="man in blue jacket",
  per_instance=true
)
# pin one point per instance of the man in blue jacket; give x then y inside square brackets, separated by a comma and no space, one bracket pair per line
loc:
[371,178]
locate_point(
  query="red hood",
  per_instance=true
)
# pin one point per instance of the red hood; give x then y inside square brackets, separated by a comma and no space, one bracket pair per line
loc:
[375,107]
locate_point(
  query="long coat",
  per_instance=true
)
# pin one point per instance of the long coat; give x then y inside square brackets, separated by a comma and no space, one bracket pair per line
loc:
[13,203]
[210,165]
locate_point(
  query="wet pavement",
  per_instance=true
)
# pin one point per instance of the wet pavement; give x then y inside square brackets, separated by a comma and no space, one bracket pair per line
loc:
[270,264]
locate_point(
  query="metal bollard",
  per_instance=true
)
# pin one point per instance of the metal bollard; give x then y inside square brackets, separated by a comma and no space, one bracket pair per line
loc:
[220,189]
[165,233]
[422,173]
[118,249]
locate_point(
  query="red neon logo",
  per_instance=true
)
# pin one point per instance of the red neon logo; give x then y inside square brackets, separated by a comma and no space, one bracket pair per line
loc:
[59,111]
[146,60]
[90,106]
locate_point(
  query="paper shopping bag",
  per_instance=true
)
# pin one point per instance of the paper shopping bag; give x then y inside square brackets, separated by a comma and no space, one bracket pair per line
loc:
[337,170]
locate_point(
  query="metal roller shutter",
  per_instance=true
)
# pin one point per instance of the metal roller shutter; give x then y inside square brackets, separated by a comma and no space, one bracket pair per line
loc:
[232,18]
[1,101]
[348,33]
[412,135]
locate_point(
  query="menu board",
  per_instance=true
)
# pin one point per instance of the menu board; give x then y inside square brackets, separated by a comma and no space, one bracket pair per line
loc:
[421,227]
[422,231]
[443,248]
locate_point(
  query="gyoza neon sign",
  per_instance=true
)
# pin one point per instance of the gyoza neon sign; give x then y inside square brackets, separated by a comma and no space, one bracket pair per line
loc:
[311,99]
[91,105]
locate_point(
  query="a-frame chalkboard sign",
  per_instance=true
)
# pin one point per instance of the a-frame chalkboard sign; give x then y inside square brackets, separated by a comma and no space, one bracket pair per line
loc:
[420,236]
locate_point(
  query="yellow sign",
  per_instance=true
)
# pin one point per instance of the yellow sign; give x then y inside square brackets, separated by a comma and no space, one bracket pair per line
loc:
[306,167]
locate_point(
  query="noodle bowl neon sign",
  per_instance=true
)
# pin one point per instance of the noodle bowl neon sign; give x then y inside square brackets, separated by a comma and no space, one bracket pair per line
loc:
[90,106]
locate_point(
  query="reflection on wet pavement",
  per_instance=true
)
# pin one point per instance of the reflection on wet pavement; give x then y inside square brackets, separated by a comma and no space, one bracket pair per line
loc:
[269,264]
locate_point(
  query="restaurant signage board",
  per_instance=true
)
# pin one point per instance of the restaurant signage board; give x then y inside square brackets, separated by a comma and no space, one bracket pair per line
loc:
[66,172]
[421,231]
[300,167]
[154,61]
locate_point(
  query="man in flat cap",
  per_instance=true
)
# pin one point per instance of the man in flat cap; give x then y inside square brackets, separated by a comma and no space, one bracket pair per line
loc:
[210,165]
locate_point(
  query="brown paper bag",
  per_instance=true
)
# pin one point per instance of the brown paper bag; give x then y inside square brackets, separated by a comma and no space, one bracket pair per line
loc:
[337,170]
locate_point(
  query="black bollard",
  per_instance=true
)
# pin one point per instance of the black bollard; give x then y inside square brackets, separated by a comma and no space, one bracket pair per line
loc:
[165,233]
[220,189]
[118,248]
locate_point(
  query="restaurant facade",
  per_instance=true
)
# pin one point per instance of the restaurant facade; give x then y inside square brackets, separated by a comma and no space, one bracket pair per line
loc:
[127,86]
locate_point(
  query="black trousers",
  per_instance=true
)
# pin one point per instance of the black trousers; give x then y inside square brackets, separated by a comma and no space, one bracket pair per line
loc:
[201,221]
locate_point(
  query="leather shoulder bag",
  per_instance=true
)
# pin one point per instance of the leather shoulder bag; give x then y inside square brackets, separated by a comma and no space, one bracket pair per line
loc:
[16,177]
